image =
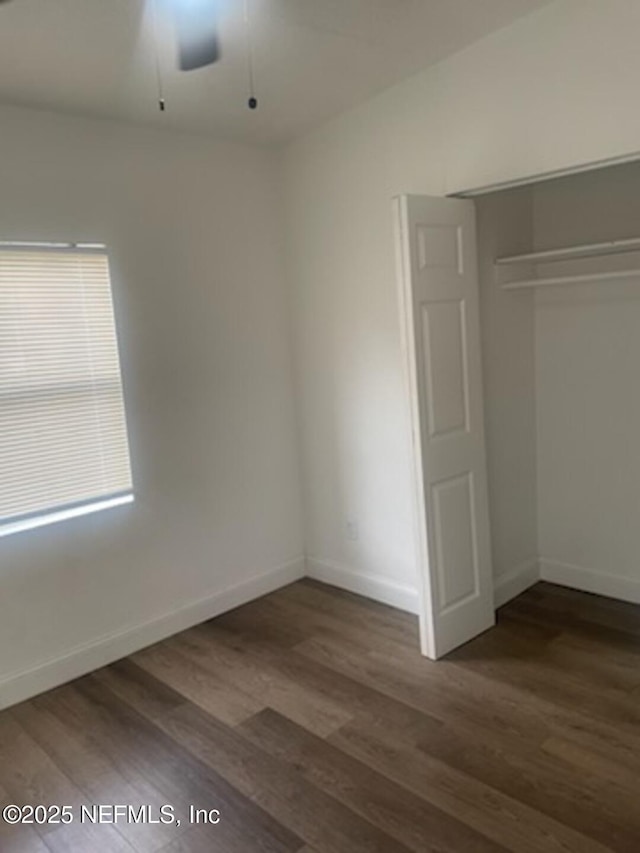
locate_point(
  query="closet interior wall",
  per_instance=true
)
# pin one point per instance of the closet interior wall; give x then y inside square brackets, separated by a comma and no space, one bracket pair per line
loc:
[561,369]
[505,226]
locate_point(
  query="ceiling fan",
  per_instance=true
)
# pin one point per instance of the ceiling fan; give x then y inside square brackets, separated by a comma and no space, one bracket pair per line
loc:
[196,28]
[196,24]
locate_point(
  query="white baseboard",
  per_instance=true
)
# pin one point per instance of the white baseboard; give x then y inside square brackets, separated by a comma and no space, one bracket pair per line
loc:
[380,589]
[104,650]
[590,580]
[107,649]
[512,583]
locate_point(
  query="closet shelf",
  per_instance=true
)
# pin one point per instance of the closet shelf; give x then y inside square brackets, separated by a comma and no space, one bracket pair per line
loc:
[613,247]
[572,279]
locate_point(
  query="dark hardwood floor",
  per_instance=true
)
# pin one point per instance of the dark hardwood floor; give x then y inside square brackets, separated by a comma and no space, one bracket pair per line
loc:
[311,722]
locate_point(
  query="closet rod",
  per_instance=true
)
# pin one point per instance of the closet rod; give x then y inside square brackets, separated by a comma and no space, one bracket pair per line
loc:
[612,247]
[558,281]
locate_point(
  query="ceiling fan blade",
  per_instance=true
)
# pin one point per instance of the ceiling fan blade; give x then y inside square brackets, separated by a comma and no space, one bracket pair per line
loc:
[196,24]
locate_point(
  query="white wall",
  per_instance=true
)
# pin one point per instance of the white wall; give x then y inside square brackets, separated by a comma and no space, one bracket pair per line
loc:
[588,357]
[352,408]
[194,233]
[553,90]
[505,226]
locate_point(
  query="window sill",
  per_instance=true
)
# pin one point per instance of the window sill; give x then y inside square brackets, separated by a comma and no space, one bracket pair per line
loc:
[63,515]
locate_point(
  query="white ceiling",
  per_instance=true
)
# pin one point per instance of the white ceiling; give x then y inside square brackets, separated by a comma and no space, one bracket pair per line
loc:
[313,58]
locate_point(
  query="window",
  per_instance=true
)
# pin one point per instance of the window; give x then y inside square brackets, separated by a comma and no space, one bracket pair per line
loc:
[63,436]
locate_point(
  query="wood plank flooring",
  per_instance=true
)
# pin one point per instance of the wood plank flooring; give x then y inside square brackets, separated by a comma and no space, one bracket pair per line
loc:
[310,721]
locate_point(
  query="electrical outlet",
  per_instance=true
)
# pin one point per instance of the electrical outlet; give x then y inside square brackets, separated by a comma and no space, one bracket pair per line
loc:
[353,532]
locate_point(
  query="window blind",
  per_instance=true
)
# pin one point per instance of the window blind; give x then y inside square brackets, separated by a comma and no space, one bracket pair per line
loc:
[63,435]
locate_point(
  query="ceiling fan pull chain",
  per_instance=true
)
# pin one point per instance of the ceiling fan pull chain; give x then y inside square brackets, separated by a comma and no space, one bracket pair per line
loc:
[253,101]
[156,53]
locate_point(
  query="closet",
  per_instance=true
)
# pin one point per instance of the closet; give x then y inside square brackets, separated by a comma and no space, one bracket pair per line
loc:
[558,272]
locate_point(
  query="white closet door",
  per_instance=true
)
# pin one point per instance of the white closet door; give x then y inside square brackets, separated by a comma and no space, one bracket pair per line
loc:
[439,306]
